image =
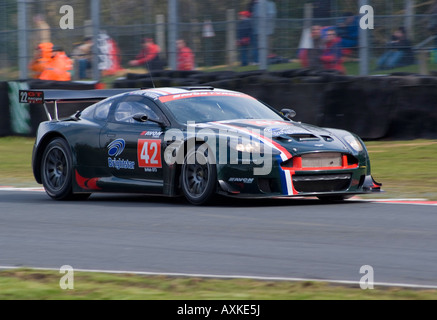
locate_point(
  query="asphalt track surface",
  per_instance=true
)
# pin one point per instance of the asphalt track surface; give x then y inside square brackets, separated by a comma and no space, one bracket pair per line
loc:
[272,239]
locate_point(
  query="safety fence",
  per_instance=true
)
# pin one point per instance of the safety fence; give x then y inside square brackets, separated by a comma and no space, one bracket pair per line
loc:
[210,29]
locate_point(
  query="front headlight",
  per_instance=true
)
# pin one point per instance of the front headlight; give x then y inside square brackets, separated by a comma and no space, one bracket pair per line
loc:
[354,143]
[252,146]
[248,147]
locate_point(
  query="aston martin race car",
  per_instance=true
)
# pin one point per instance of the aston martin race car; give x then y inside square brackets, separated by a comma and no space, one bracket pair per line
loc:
[195,142]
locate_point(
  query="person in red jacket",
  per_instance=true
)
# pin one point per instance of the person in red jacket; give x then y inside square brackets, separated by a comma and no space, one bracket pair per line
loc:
[332,57]
[185,56]
[149,56]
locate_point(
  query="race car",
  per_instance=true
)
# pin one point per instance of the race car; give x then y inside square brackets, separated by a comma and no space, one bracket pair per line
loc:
[195,142]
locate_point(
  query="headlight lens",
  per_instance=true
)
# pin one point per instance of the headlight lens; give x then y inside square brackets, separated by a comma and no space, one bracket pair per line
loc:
[248,147]
[252,146]
[354,143]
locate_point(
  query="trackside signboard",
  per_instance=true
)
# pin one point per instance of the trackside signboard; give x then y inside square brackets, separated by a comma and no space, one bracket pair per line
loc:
[28,96]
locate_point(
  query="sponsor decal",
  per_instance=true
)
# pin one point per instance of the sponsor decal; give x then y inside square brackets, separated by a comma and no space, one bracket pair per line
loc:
[121,164]
[115,148]
[27,96]
[243,180]
[284,130]
[149,153]
[153,134]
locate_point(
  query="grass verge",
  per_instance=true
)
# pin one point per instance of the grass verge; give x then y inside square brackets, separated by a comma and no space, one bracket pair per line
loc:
[407,169]
[30,284]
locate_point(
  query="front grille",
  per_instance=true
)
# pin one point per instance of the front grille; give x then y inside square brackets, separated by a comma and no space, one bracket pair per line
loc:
[322,183]
[322,159]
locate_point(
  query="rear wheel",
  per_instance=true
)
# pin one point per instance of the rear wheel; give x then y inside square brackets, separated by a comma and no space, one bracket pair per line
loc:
[199,175]
[57,171]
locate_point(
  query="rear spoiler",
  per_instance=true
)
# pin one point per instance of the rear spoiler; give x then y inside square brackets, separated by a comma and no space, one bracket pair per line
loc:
[66,96]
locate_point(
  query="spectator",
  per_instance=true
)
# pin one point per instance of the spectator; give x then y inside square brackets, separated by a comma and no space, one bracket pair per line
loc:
[270,26]
[59,67]
[348,31]
[399,53]
[311,57]
[149,56]
[332,58]
[244,32]
[185,56]
[83,54]
[43,54]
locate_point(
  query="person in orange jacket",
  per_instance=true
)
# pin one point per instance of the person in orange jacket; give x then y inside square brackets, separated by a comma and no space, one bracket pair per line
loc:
[43,55]
[59,67]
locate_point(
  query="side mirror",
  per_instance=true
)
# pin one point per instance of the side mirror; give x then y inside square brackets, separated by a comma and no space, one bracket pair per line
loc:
[142,117]
[288,113]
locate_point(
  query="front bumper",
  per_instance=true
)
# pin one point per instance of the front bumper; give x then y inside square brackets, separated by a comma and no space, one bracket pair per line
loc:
[295,181]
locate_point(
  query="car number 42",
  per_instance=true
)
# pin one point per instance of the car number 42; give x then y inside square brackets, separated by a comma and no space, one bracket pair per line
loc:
[149,153]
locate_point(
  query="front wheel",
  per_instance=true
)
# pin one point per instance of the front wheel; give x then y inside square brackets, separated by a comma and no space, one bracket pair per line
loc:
[199,175]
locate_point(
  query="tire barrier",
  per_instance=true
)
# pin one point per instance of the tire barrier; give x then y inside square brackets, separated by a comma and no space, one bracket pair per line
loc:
[395,106]
[5,117]
[415,112]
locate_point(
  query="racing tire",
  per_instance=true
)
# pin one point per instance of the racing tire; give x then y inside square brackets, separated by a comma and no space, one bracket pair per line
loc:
[199,176]
[57,171]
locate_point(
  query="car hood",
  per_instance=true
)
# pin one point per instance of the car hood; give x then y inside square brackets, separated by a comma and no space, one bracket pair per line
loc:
[294,137]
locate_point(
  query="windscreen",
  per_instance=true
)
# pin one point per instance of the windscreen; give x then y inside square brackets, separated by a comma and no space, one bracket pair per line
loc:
[218,108]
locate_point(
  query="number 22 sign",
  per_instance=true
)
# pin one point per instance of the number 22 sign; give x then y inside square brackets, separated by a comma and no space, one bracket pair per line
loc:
[149,153]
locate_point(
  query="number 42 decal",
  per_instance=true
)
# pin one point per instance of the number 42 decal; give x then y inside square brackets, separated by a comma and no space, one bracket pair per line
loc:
[149,153]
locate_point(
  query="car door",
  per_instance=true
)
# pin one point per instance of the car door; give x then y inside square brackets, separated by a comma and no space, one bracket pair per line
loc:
[134,148]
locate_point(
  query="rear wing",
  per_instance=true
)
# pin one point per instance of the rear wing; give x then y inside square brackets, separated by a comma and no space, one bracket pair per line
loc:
[65,96]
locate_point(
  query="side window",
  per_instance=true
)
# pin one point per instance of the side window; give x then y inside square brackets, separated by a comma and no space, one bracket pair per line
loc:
[102,110]
[124,112]
[131,105]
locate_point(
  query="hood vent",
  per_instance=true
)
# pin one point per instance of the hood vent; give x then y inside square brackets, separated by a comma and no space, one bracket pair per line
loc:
[328,138]
[302,137]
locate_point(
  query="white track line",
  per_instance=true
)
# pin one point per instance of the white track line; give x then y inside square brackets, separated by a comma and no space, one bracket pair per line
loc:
[416,202]
[8,188]
[214,276]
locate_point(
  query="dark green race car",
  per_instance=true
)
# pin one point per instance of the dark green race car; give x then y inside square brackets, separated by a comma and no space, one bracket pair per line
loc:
[196,142]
